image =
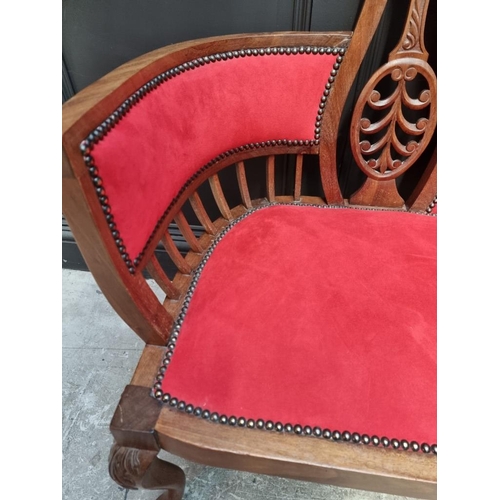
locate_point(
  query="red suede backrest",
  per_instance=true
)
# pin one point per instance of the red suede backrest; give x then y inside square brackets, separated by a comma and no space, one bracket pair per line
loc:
[194,116]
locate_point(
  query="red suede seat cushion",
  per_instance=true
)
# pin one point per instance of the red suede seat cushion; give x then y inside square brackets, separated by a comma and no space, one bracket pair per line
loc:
[316,316]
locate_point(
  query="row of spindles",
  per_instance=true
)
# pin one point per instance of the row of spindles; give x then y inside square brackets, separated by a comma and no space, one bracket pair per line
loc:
[153,266]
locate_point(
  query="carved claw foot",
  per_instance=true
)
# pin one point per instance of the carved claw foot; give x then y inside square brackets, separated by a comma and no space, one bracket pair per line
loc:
[133,468]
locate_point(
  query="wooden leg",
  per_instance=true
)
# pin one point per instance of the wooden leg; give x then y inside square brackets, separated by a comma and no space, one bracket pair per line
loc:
[133,468]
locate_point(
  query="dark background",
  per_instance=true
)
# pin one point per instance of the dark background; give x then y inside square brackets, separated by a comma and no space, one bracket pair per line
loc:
[99,36]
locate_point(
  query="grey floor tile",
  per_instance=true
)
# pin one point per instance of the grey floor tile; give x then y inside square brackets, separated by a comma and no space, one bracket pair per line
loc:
[99,356]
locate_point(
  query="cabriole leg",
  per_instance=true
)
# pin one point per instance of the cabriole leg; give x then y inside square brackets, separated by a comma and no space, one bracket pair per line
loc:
[133,468]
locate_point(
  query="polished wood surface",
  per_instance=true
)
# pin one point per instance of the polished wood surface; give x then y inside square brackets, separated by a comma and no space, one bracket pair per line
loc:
[378,193]
[312,459]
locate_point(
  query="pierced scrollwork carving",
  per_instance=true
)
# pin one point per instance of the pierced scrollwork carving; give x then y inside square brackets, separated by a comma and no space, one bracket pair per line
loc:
[399,140]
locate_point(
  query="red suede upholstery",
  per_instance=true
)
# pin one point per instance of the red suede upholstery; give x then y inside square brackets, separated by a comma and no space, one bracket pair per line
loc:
[194,117]
[316,316]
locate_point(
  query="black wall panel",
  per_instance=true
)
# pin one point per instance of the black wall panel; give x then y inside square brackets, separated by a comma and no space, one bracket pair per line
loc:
[334,15]
[100,35]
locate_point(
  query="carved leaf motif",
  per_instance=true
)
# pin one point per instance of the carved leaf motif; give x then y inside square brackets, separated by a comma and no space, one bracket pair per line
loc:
[412,35]
[388,146]
[125,466]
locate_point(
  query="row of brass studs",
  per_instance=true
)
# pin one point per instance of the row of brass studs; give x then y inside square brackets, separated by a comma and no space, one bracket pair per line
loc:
[432,205]
[102,130]
[326,93]
[269,425]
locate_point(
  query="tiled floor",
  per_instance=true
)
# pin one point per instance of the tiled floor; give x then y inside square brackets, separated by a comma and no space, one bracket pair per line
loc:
[99,356]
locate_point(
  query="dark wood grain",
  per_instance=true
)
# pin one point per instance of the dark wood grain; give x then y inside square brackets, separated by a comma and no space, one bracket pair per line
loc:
[378,194]
[135,418]
[133,461]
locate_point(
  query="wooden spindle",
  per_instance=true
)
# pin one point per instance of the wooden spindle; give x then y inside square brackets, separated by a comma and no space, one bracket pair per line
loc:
[187,232]
[271,194]
[201,213]
[385,158]
[158,274]
[175,255]
[298,177]
[220,199]
[242,183]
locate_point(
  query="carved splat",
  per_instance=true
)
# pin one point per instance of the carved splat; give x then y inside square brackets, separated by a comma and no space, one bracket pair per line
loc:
[389,132]
[388,156]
